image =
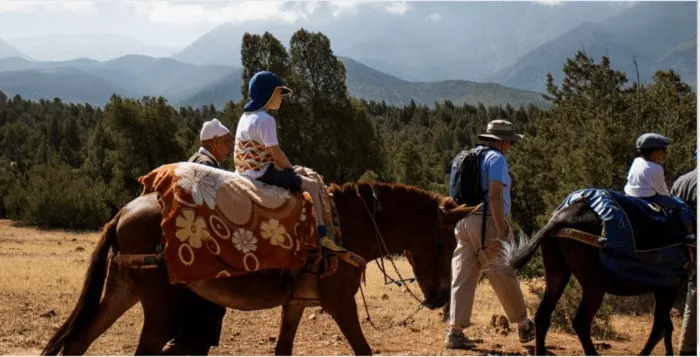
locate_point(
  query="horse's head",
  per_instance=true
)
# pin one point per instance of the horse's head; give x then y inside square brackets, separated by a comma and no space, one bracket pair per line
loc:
[408,220]
[431,255]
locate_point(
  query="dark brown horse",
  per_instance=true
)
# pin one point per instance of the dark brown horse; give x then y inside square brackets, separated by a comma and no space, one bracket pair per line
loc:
[411,221]
[564,256]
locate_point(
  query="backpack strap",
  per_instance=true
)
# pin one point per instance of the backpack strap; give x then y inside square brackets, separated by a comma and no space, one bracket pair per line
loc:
[481,154]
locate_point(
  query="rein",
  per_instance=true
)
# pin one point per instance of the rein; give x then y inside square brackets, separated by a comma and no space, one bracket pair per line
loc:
[381,244]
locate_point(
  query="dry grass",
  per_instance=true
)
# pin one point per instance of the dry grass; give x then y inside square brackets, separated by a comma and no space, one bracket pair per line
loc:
[41,273]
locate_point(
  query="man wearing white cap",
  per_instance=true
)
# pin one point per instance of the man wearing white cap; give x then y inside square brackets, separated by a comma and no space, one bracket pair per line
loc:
[198,321]
[217,144]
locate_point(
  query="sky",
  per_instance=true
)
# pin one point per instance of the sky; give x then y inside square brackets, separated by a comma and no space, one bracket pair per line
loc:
[173,23]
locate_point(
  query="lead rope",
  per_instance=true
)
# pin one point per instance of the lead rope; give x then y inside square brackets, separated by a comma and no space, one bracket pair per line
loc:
[382,245]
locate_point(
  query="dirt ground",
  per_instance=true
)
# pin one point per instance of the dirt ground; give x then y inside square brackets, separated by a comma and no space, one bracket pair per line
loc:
[41,273]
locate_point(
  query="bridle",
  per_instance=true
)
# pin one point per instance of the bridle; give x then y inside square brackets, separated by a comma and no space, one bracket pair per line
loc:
[384,251]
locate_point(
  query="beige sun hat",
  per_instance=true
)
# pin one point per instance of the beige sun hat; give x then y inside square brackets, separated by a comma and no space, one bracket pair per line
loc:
[500,129]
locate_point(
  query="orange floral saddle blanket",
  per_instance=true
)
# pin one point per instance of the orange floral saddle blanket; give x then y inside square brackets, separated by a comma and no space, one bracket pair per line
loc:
[218,224]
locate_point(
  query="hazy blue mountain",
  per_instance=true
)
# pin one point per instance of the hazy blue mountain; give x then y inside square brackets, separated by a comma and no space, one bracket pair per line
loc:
[226,89]
[68,84]
[98,46]
[8,51]
[660,36]
[371,84]
[137,74]
[432,41]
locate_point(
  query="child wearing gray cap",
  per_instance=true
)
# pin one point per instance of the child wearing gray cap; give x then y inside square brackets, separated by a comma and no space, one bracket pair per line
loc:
[646,180]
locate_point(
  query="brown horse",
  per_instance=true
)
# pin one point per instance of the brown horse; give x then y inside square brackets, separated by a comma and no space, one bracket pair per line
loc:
[564,256]
[407,220]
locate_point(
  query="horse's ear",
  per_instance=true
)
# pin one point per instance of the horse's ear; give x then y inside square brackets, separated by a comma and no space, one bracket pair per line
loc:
[453,215]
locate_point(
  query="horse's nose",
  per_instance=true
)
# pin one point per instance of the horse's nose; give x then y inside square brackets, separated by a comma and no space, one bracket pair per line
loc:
[435,301]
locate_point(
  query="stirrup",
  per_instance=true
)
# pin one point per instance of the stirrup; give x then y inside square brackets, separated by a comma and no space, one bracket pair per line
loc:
[331,245]
[342,253]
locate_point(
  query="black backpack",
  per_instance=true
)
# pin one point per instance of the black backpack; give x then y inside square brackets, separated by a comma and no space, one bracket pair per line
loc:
[465,176]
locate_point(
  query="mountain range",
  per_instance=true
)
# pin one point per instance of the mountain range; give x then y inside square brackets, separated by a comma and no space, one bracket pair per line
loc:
[97,46]
[434,52]
[433,41]
[659,36]
[8,51]
[185,84]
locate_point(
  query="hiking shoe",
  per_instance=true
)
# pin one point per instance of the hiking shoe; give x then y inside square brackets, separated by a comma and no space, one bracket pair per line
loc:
[455,340]
[527,333]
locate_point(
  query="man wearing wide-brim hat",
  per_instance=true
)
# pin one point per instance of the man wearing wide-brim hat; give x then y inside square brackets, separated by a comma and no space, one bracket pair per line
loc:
[473,254]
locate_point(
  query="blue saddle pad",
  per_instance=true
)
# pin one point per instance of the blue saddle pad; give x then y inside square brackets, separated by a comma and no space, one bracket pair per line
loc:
[643,242]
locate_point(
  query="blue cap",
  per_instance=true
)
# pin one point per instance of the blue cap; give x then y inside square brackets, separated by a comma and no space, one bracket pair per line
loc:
[652,141]
[260,89]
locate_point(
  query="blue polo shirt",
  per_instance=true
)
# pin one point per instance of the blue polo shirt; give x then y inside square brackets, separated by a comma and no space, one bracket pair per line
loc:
[494,167]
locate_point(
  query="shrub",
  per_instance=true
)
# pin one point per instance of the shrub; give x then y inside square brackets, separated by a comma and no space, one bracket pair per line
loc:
[59,197]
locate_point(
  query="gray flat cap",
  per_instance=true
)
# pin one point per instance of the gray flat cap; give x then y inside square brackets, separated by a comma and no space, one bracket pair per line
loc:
[652,141]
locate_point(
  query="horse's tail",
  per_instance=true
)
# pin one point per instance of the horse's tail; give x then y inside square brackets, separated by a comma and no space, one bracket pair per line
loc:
[516,255]
[89,300]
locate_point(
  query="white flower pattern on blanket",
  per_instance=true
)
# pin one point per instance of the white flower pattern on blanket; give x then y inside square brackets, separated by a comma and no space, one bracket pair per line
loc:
[267,226]
[245,241]
[201,184]
[276,233]
[191,229]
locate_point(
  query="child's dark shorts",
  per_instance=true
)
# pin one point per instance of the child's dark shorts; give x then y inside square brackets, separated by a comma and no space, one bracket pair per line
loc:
[283,178]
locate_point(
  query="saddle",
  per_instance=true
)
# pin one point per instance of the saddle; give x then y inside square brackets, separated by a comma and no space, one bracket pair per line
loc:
[218,224]
[641,241]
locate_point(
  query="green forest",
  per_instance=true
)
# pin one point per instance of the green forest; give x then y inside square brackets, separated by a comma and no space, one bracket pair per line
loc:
[72,166]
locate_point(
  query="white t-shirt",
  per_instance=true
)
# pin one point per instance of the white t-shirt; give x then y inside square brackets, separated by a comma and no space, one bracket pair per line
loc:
[646,179]
[256,131]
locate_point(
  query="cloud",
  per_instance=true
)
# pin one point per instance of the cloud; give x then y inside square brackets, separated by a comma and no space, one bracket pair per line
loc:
[28,6]
[434,17]
[192,12]
[339,8]
[397,7]
[549,2]
[235,12]
[342,7]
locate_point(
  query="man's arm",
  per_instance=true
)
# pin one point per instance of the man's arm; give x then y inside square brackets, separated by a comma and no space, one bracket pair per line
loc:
[496,207]
[279,157]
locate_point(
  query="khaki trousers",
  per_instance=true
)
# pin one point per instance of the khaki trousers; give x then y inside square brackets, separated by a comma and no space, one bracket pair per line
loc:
[688,339]
[468,263]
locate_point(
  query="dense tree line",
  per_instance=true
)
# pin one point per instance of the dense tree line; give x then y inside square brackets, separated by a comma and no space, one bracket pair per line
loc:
[73,165]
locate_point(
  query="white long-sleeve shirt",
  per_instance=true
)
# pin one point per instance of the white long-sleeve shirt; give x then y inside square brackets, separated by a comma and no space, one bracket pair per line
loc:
[646,179]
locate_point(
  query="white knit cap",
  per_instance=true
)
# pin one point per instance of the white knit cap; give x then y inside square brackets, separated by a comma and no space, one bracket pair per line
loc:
[212,129]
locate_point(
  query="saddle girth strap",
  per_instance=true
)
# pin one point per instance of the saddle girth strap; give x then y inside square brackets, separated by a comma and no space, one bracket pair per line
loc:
[580,236]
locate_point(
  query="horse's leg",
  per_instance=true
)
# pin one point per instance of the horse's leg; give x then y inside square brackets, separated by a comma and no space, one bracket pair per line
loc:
[590,303]
[344,311]
[337,295]
[663,327]
[668,333]
[119,297]
[159,301]
[668,340]
[291,315]
[557,275]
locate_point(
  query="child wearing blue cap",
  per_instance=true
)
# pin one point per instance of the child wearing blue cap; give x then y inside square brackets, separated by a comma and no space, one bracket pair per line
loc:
[257,151]
[645,178]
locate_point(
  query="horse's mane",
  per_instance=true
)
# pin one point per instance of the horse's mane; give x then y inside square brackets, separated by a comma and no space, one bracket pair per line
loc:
[428,196]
